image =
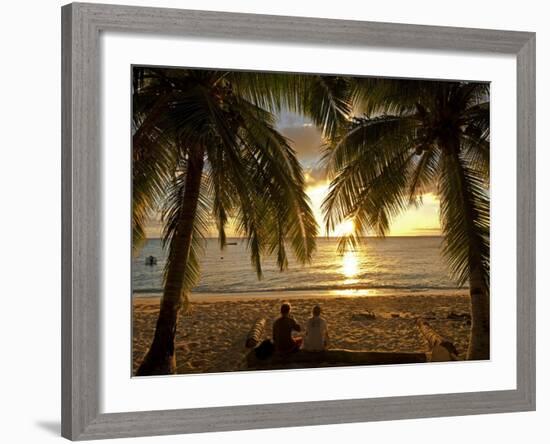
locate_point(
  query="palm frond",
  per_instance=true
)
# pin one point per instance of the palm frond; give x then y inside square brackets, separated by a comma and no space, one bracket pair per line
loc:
[172,219]
[324,99]
[277,167]
[366,168]
[265,178]
[327,103]
[153,163]
[270,91]
[464,217]
[425,173]
[476,152]
[221,189]
[382,197]
[379,138]
[374,96]
[476,119]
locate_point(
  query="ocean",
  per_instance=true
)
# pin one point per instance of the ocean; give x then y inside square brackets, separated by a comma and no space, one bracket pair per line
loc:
[394,265]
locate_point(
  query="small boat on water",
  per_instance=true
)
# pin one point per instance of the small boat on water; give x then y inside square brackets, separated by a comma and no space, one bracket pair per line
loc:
[231,243]
[150,260]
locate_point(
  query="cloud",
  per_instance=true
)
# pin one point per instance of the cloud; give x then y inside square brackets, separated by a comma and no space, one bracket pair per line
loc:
[315,175]
[306,141]
[288,119]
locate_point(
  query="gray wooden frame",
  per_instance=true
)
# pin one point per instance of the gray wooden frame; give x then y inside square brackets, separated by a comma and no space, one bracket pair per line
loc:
[81,252]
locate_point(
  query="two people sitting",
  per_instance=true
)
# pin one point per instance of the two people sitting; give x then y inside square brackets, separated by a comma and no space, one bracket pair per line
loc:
[316,334]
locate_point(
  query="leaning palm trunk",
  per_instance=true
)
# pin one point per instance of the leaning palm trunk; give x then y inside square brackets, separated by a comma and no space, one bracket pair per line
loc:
[479,347]
[161,357]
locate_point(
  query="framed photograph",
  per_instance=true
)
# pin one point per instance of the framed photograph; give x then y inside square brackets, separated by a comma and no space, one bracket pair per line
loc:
[278,221]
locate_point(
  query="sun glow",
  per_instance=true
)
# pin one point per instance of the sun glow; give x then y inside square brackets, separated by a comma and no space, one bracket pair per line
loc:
[345,228]
[415,221]
[317,194]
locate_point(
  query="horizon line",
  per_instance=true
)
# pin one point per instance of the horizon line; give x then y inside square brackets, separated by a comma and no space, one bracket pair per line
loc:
[329,237]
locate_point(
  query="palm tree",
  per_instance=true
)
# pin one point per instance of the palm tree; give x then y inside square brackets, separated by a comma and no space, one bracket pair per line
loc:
[411,138]
[205,149]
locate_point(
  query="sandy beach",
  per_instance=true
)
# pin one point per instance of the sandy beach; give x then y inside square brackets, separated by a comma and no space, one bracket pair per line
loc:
[211,337]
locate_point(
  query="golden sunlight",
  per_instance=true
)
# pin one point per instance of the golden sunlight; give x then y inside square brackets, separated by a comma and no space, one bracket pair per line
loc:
[421,221]
[350,265]
[345,228]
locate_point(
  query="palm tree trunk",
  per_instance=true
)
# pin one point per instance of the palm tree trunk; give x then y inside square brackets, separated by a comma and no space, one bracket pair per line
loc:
[161,357]
[479,347]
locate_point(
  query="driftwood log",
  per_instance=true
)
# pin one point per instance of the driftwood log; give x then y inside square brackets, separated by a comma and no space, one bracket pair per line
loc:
[335,357]
[442,349]
[256,334]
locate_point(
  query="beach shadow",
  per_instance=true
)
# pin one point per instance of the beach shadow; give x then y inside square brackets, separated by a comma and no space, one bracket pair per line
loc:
[53,427]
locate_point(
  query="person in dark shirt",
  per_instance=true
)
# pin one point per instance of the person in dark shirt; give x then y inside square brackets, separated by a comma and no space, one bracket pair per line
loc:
[282,332]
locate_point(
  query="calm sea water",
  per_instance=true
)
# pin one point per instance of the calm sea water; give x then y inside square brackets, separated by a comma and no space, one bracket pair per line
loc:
[392,265]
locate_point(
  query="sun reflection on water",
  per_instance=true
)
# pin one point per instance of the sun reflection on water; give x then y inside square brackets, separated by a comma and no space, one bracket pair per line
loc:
[350,266]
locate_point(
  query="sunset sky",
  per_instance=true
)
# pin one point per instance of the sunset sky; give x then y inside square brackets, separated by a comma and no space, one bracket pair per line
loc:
[306,140]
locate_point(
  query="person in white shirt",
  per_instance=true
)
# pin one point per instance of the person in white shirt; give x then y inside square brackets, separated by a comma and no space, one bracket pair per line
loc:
[316,337]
